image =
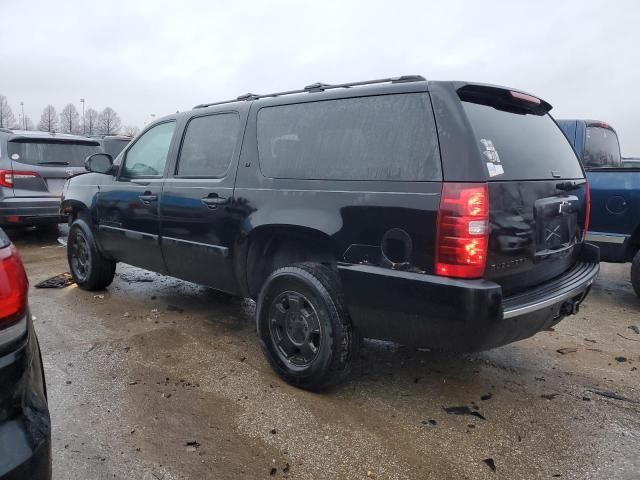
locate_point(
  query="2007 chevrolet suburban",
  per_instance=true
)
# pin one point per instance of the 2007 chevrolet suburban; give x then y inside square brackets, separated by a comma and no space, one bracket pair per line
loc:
[442,214]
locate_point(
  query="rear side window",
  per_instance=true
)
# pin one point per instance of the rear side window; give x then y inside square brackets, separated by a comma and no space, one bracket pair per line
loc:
[51,154]
[517,146]
[209,145]
[601,149]
[387,137]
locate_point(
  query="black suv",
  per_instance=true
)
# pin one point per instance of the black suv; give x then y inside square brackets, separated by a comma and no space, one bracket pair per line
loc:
[440,214]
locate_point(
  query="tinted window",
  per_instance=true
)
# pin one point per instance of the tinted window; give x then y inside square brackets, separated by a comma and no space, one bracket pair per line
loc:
[390,137]
[601,148]
[148,155]
[518,146]
[209,144]
[51,154]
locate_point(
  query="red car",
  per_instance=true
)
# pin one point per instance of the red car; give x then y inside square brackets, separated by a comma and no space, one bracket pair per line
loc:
[25,427]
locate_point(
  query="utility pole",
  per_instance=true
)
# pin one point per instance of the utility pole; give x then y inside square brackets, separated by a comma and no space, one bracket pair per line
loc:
[24,119]
[84,129]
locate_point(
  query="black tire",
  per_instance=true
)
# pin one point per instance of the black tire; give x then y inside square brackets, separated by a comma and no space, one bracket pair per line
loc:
[635,273]
[88,267]
[313,345]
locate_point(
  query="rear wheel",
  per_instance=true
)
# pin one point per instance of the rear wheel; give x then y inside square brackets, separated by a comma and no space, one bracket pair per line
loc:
[89,268]
[303,326]
[635,273]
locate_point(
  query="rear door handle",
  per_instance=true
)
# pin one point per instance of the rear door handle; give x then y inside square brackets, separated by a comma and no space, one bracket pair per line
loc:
[148,197]
[213,200]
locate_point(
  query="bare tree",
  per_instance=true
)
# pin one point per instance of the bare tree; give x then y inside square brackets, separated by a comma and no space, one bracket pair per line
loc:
[91,121]
[48,120]
[108,122]
[70,120]
[131,130]
[7,120]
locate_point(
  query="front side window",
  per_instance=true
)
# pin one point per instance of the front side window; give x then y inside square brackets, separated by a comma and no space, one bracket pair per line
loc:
[148,156]
[209,145]
[601,149]
[386,137]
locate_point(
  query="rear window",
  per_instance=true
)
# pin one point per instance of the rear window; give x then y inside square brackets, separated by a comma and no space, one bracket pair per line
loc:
[518,146]
[51,154]
[601,149]
[388,137]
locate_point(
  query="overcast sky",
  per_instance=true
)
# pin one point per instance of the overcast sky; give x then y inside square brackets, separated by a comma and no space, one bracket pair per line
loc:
[156,56]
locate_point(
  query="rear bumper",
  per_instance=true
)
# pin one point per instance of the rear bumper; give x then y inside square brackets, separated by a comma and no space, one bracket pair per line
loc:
[30,210]
[459,315]
[25,428]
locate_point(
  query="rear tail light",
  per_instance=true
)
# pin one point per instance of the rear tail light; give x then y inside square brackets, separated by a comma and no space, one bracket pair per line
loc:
[8,177]
[587,208]
[13,287]
[463,230]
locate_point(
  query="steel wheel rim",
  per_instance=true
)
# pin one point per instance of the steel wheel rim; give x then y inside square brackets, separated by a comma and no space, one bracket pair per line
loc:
[295,329]
[80,256]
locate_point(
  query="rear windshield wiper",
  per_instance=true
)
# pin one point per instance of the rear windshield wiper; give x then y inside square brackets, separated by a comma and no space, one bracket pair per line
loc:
[53,163]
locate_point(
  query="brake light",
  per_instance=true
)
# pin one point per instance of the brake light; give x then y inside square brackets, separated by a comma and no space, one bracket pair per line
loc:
[13,287]
[525,97]
[7,177]
[587,208]
[463,230]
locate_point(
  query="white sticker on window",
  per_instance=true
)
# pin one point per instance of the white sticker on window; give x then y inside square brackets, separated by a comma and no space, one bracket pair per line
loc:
[494,169]
[15,156]
[489,151]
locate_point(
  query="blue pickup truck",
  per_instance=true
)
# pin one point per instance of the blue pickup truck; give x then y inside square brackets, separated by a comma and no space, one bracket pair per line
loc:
[615,193]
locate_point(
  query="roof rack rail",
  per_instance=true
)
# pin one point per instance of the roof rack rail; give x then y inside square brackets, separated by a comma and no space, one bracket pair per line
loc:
[318,87]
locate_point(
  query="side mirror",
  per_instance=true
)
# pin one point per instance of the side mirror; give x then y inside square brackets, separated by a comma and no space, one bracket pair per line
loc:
[99,163]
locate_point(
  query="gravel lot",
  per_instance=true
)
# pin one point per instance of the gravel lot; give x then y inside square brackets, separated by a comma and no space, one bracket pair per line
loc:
[156,378]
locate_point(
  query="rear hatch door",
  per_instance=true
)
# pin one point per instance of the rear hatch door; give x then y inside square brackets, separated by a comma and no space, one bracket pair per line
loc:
[41,166]
[537,188]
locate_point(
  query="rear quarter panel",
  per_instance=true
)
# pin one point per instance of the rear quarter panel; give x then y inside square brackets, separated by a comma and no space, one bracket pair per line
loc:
[354,215]
[615,200]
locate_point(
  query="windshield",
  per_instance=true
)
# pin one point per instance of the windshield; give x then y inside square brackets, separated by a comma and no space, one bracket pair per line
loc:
[42,153]
[518,146]
[601,149]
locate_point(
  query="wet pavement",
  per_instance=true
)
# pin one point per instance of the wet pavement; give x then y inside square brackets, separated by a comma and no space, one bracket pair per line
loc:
[155,378]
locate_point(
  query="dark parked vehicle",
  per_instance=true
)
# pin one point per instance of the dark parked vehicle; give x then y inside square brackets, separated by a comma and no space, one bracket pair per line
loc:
[25,431]
[631,162]
[33,169]
[614,225]
[441,214]
[114,144]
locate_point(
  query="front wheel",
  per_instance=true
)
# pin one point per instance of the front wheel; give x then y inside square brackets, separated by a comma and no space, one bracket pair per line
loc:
[304,327]
[635,273]
[89,268]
